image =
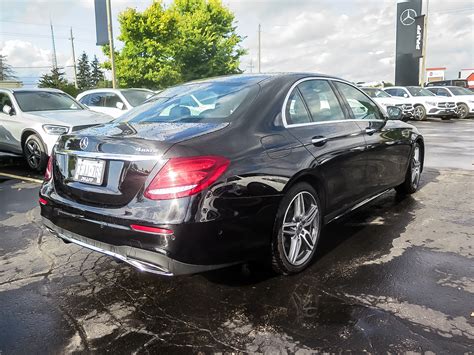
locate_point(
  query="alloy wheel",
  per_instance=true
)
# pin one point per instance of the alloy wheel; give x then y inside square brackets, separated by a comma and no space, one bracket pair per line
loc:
[415,167]
[300,228]
[33,154]
[462,111]
[419,113]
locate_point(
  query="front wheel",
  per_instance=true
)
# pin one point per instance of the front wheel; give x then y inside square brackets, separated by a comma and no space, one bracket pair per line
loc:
[420,113]
[412,177]
[463,111]
[35,153]
[297,230]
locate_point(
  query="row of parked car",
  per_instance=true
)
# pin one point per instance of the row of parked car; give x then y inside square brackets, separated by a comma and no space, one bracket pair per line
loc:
[418,103]
[31,120]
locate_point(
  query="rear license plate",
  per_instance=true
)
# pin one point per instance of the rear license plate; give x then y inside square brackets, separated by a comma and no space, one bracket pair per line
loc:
[89,171]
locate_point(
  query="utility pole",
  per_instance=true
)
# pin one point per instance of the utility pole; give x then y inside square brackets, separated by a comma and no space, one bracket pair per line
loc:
[251,65]
[55,60]
[74,60]
[259,48]
[111,43]
[425,36]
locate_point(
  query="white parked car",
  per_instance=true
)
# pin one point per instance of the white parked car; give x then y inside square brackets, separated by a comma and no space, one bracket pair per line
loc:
[384,100]
[464,98]
[31,120]
[114,102]
[425,102]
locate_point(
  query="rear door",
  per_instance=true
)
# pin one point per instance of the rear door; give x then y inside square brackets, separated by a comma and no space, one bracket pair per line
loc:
[315,116]
[10,125]
[388,145]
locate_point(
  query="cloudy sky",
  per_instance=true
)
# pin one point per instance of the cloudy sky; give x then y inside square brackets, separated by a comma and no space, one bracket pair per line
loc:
[353,39]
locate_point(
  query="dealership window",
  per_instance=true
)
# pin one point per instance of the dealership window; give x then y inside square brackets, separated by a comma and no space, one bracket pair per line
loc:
[361,106]
[321,100]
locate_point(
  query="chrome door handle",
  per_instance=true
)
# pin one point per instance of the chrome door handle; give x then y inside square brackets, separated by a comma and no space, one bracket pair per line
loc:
[319,141]
[370,131]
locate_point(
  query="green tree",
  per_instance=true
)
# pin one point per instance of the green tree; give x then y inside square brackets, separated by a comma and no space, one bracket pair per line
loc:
[6,71]
[166,45]
[54,79]
[97,75]
[84,79]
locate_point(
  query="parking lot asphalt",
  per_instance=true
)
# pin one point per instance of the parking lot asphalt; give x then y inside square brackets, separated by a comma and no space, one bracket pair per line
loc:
[396,275]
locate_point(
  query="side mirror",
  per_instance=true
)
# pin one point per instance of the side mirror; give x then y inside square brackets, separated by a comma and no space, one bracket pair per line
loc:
[120,105]
[405,95]
[8,110]
[394,113]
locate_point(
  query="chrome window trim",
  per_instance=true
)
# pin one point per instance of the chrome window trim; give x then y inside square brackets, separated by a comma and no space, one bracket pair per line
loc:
[109,156]
[288,94]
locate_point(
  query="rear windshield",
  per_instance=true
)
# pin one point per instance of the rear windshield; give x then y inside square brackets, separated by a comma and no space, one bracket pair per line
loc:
[45,101]
[137,97]
[193,103]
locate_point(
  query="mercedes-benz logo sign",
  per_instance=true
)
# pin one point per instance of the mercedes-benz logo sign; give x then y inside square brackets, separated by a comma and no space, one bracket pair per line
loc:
[407,17]
[83,143]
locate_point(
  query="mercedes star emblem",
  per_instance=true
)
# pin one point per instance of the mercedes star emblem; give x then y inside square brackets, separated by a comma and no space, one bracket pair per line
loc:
[407,17]
[83,143]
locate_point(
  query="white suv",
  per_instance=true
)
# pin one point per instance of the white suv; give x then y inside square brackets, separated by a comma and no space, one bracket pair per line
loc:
[464,98]
[385,100]
[425,102]
[114,102]
[31,120]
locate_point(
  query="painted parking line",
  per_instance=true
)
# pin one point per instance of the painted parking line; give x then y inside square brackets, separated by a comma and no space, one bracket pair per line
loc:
[19,177]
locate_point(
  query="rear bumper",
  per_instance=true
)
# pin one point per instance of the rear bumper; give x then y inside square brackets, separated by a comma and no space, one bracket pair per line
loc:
[144,260]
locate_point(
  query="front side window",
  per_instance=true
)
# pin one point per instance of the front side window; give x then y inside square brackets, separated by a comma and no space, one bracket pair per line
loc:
[361,106]
[418,91]
[5,100]
[45,101]
[321,100]
[178,105]
[112,100]
[375,93]
[393,92]
[443,92]
[136,97]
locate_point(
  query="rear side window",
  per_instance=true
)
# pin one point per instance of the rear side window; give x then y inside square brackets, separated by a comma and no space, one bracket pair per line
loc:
[111,100]
[95,100]
[296,112]
[361,106]
[321,100]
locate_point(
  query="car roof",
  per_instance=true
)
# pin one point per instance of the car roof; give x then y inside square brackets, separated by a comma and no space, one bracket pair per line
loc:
[31,90]
[91,91]
[444,87]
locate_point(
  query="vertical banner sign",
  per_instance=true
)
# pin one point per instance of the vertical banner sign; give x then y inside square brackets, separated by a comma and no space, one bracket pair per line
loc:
[102,34]
[420,28]
[407,64]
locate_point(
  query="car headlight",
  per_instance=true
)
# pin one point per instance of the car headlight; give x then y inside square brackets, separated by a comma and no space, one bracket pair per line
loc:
[431,103]
[56,130]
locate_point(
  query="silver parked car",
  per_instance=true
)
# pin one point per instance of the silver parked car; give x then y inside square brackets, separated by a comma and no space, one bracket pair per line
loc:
[31,120]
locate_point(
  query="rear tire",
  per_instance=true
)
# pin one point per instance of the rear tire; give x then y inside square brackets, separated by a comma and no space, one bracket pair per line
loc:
[420,113]
[463,111]
[35,153]
[297,228]
[412,177]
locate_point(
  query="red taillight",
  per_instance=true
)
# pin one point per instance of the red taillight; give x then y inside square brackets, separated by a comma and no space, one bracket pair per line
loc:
[185,177]
[147,229]
[42,201]
[48,174]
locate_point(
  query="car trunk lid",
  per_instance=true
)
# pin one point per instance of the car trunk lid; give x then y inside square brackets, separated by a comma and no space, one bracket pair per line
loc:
[109,165]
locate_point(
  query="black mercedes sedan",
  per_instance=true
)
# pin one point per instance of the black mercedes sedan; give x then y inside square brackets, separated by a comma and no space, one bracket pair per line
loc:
[221,171]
